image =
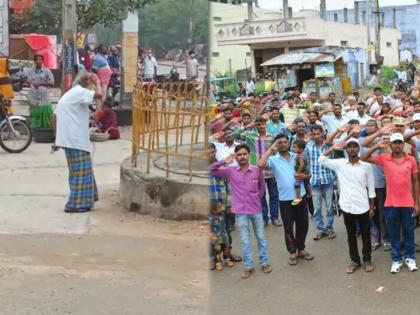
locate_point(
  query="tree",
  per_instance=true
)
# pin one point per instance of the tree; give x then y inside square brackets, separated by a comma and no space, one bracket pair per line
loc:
[45,16]
[165,24]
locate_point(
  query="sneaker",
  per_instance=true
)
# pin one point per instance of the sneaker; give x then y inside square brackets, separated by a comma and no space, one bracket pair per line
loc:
[387,246]
[396,266]
[411,264]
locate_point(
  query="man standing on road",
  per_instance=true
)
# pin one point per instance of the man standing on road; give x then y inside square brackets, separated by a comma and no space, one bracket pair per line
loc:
[401,175]
[322,184]
[191,66]
[357,199]
[149,66]
[295,218]
[249,86]
[248,187]
[72,134]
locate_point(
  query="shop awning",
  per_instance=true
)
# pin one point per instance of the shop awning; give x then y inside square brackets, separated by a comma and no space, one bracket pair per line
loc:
[299,58]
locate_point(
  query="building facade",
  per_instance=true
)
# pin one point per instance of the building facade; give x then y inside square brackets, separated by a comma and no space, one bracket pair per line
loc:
[4,28]
[402,17]
[272,35]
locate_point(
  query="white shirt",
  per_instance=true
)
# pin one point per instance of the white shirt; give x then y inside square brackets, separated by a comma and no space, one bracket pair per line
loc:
[249,87]
[73,119]
[149,65]
[357,183]
[354,114]
[332,123]
[223,151]
[191,68]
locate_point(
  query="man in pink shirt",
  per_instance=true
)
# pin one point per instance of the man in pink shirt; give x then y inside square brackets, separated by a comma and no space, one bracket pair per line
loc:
[248,186]
[401,179]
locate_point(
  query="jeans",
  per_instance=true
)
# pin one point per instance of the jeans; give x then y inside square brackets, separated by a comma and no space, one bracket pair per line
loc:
[294,215]
[379,214]
[350,223]
[242,224]
[273,194]
[320,193]
[397,219]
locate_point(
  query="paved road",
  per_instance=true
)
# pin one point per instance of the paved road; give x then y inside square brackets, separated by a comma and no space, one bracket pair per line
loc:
[318,287]
[108,262]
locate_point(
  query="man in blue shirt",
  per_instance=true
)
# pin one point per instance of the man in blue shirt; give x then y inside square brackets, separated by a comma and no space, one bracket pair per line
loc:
[295,218]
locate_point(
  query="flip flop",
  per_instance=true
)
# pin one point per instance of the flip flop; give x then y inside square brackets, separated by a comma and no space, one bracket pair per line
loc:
[292,261]
[306,256]
[247,273]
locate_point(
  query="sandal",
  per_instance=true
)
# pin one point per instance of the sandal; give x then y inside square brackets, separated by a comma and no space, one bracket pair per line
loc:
[235,258]
[229,263]
[292,260]
[368,266]
[319,235]
[305,256]
[219,266]
[247,273]
[352,267]
[267,268]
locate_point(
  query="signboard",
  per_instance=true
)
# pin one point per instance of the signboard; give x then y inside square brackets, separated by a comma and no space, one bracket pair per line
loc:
[324,70]
[4,28]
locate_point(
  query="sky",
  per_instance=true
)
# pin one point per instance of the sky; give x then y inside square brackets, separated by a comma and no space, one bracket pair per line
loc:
[331,4]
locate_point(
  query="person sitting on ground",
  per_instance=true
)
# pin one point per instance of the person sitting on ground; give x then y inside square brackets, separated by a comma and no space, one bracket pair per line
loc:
[301,167]
[107,121]
[219,245]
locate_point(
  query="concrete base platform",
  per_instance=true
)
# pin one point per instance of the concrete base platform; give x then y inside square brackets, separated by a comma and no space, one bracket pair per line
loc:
[171,198]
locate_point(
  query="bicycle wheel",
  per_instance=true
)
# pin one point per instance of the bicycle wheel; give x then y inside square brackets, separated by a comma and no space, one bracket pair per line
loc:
[15,140]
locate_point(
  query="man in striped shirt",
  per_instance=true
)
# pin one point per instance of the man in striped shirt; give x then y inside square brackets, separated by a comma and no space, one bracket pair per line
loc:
[322,184]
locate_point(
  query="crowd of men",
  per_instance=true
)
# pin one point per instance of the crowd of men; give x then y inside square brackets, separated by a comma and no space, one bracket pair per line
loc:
[281,157]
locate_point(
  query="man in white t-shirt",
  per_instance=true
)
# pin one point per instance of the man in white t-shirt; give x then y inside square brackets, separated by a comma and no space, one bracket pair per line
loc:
[249,86]
[191,65]
[72,134]
[149,66]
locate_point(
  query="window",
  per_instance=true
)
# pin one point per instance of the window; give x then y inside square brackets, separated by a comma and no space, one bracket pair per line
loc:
[388,44]
[335,17]
[344,43]
[217,18]
[215,54]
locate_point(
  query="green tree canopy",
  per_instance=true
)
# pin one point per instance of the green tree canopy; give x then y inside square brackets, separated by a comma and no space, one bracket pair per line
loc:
[166,24]
[45,16]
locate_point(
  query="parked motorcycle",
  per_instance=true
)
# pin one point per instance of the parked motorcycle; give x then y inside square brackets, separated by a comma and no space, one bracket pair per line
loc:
[15,133]
[402,86]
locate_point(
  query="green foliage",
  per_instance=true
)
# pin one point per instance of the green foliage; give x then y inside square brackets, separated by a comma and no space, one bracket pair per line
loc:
[386,79]
[259,87]
[45,16]
[166,24]
[229,87]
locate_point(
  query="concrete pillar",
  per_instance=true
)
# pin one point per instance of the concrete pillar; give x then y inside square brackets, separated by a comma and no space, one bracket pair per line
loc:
[290,12]
[394,17]
[250,11]
[383,19]
[346,15]
[130,45]
[285,9]
[356,12]
[323,9]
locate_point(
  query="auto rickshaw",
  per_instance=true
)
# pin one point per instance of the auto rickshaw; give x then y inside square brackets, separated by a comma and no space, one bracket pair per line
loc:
[6,88]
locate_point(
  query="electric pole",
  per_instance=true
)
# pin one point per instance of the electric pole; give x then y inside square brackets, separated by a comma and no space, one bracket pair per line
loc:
[69,22]
[377,31]
[369,40]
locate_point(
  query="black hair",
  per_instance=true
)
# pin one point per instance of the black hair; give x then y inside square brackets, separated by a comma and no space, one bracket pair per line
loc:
[212,146]
[260,120]
[331,94]
[38,56]
[338,105]
[301,144]
[246,114]
[290,97]
[251,94]
[281,135]
[242,146]
[317,127]
[356,93]
[353,121]
[377,89]
[228,108]
[362,104]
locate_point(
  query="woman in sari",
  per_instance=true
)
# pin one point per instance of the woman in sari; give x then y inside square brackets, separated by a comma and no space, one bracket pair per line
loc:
[72,134]
[102,69]
[40,79]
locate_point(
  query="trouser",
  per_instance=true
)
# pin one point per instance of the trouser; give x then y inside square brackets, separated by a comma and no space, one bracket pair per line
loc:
[242,223]
[324,193]
[379,214]
[273,197]
[291,216]
[398,218]
[350,223]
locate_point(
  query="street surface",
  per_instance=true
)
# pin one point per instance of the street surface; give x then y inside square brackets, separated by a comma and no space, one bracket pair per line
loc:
[318,287]
[109,261]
